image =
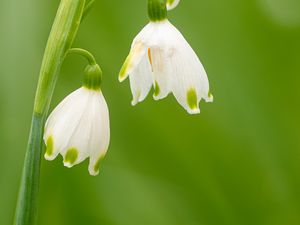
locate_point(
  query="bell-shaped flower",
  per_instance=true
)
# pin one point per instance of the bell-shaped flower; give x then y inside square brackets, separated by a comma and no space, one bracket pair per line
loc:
[160,56]
[78,127]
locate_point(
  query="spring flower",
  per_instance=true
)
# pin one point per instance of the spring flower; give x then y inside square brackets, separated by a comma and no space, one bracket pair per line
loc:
[78,127]
[160,56]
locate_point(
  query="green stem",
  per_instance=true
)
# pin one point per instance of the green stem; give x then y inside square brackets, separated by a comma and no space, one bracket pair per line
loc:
[79,51]
[26,207]
[63,32]
[61,37]
[92,73]
[87,8]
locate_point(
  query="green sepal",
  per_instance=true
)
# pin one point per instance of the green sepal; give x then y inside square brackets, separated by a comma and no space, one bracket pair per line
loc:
[92,77]
[157,10]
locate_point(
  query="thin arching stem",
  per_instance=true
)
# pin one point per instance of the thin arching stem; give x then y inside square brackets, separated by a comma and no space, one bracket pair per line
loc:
[79,51]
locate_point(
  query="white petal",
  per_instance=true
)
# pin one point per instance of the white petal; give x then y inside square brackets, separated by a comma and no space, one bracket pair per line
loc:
[141,81]
[63,121]
[100,135]
[189,79]
[189,82]
[161,72]
[137,51]
[78,148]
[158,37]
[171,4]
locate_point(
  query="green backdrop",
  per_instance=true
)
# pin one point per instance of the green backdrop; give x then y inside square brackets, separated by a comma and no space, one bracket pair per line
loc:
[237,163]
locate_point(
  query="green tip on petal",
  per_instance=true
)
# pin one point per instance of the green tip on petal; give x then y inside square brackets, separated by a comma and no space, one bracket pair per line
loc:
[71,157]
[123,72]
[170,2]
[136,98]
[192,99]
[210,96]
[156,89]
[49,147]
[98,164]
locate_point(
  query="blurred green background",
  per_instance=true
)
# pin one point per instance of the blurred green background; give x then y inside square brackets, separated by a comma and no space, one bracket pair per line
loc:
[237,163]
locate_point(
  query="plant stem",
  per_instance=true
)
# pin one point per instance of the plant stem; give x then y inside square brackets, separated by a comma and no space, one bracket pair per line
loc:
[26,207]
[91,59]
[61,37]
[60,40]
[87,8]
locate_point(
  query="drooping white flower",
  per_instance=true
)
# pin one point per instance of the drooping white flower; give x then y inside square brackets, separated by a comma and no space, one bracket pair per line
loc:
[160,56]
[78,128]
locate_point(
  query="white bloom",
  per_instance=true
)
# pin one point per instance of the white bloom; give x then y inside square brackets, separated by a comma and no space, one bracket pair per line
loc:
[78,128]
[160,56]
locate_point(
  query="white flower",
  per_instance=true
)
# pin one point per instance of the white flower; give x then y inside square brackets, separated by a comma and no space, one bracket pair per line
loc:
[160,56]
[78,128]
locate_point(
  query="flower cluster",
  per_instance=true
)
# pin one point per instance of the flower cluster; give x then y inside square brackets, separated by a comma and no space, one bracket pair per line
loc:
[160,56]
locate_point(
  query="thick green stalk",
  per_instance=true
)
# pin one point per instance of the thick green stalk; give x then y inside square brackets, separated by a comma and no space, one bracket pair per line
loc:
[27,201]
[63,32]
[61,37]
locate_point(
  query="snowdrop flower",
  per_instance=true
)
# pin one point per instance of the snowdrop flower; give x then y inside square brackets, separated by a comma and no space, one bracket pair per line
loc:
[78,127]
[160,56]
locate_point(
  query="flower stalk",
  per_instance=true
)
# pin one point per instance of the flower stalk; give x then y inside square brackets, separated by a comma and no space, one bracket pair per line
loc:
[60,40]
[93,73]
